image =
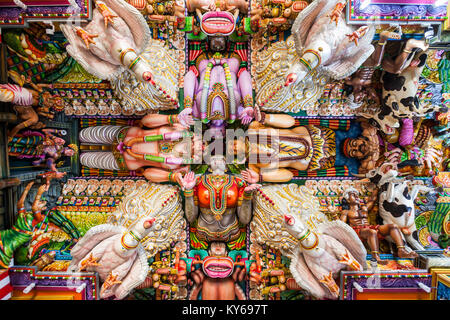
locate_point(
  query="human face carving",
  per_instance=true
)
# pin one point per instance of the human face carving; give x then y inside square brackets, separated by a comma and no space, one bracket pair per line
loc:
[358,148]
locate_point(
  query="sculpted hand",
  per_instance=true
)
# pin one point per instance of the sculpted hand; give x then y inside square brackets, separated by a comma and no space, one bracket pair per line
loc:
[189,180]
[185,118]
[247,115]
[85,36]
[252,187]
[357,34]
[393,155]
[432,158]
[250,176]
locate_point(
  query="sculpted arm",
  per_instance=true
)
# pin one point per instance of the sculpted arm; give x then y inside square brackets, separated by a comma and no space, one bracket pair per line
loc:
[155,120]
[244,211]
[21,201]
[191,209]
[373,198]
[343,216]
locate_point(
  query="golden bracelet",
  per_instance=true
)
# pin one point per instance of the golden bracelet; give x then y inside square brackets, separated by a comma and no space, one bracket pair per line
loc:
[247,195]
[188,193]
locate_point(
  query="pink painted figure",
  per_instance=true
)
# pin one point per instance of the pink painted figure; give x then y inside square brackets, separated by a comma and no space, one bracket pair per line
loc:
[221,95]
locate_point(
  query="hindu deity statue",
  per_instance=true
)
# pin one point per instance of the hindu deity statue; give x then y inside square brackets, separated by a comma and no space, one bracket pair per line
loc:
[44,147]
[411,146]
[279,143]
[223,92]
[165,150]
[217,205]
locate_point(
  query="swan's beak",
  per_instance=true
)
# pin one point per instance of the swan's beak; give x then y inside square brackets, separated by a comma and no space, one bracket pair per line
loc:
[148,223]
[290,79]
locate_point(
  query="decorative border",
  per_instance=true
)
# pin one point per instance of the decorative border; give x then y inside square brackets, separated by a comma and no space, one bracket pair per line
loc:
[387,13]
[391,280]
[14,17]
[21,277]
[437,274]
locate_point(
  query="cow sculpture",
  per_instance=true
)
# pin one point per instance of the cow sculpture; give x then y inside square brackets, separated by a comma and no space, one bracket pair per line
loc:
[396,201]
[400,83]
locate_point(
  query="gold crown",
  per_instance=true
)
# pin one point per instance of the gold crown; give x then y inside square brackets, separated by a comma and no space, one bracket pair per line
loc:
[74,147]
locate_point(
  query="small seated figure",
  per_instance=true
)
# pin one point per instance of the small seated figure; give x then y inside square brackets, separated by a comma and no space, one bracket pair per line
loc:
[356,215]
[44,148]
[29,103]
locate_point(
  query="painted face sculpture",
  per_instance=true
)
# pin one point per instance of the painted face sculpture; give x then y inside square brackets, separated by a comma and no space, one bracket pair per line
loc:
[218,265]
[217,18]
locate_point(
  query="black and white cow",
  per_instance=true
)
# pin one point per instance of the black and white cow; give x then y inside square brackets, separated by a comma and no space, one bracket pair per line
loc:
[400,98]
[396,202]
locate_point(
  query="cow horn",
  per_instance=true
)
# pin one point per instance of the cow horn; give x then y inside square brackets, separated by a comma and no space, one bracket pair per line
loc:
[359,175]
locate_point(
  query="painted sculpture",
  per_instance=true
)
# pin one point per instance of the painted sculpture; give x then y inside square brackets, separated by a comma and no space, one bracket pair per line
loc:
[229,149]
[218,204]
[309,149]
[322,44]
[44,148]
[221,94]
[287,218]
[400,81]
[139,228]
[357,217]
[216,274]
[396,201]
[166,149]
[323,254]
[29,103]
[19,234]
[111,47]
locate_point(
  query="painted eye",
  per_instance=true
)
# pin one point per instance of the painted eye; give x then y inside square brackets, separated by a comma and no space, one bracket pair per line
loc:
[290,79]
[289,220]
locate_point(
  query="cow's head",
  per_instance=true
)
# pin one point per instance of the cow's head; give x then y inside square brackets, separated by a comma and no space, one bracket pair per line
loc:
[381,174]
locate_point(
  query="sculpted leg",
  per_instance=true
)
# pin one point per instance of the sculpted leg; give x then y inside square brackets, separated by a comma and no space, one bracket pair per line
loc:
[372,239]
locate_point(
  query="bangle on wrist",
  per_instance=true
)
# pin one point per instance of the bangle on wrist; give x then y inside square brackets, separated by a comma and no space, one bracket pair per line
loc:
[247,195]
[188,193]
[171,119]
